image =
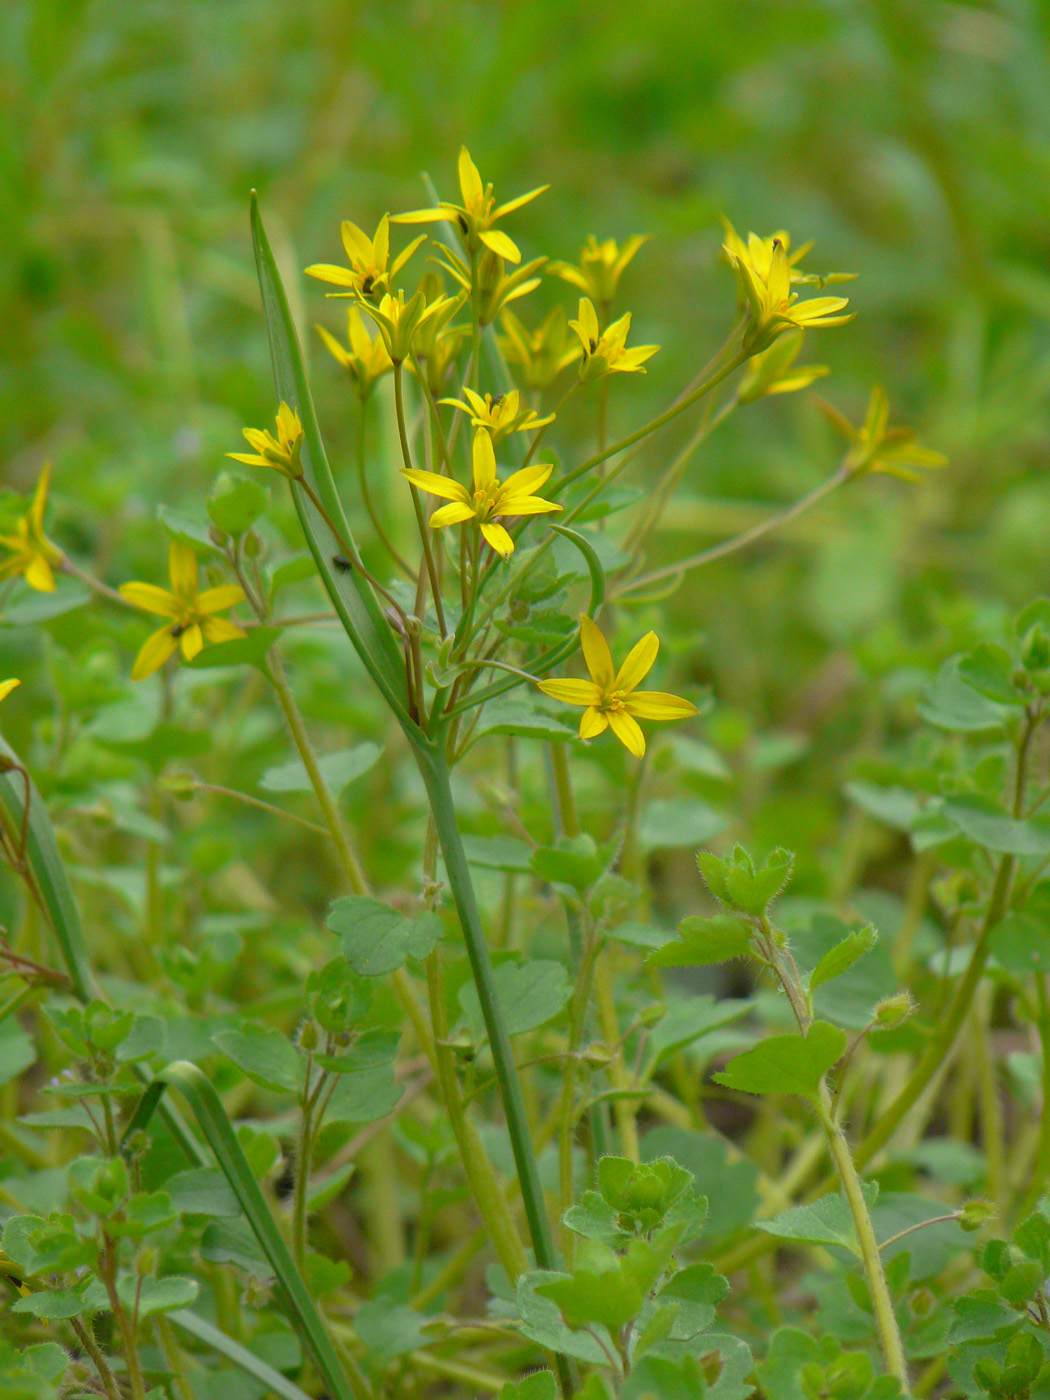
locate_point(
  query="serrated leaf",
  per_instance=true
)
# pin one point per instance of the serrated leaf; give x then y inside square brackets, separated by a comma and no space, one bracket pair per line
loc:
[787,1064]
[266,1056]
[529,994]
[841,958]
[376,939]
[53,1306]
[704,941]
[826,1221]
[337,769]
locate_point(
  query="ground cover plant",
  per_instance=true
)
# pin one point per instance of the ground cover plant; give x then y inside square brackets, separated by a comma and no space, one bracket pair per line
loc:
[437,959]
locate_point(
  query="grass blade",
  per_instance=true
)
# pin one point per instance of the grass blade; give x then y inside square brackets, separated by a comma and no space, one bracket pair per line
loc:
[199,1093]
[205,1331]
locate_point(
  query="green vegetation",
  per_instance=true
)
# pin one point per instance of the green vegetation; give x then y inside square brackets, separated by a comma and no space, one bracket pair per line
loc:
[532,878]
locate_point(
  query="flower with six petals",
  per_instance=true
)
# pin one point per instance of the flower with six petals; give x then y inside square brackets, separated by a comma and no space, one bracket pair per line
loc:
[364,357]
[611,697]
[281,452]
[605,352]
[478,213]
[765,275]
[877,447]
[370,270]
[542,353]
[190,613]
[600,268]
[490,500]
[500,414]
[32,553]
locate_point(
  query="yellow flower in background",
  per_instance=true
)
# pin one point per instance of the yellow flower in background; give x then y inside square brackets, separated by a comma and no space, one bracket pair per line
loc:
[773,306]
[32,553]
[611,698]
[281,452]
[364,357]
[370,269]
[6,688]
[877,447]
[190,613]
[774,371]
[400,322]
[543,353]
[501,414]
[605,352]
[477,214]
[490,500]
[600,268]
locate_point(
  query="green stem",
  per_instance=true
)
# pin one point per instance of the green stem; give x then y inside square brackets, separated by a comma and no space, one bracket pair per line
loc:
[623,1108]
[885,1318]
[302,1171]
[563,788]
[370,505]
[83,1333]
[1041,1170]
[417,504]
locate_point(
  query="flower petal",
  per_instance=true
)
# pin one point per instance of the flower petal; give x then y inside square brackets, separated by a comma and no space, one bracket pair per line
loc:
[182,567]
[330,272]
[38,574]
[470,185]
[36,510]
[596,653]
[639,663]
[571,692]
[484,461]
[214,600]
[437,485]
[220,629]
[192,641]
[628,732]
[528,480]
[6,688]
[655,704]
[153,654]
[518,201]
[593,722]
[452,514]
[498,538]
[497,242]
[525,505]
[151,598]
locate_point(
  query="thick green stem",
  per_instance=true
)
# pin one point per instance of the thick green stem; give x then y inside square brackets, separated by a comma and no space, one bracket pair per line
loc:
[885,1318]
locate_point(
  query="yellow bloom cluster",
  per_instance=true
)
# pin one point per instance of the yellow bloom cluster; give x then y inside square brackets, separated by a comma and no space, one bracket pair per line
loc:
[32,553]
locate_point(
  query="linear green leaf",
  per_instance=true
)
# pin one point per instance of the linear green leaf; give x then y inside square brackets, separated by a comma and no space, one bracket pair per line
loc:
[204,1331]
[594,565]
[351,596]
[197,1090]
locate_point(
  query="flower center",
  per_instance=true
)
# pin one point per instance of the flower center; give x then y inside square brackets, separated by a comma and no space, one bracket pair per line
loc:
[613,700]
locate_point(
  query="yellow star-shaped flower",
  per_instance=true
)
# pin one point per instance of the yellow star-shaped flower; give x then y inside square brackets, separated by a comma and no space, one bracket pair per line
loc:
[766,276]
[478,213]
[605,352]
[543,353]
[500,414]
[878,447]
[364,358]
[32,553]
[600,267]
[280,451]
[191,620]
[370,269]
[611,698]
[490,501]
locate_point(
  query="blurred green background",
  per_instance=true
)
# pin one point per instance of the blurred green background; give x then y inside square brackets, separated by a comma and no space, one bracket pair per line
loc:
[910,141]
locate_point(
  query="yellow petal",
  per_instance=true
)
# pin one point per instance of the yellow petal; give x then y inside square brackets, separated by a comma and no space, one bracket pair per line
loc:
[498,538]
[154,654]
[593,722]
[36,510]
[628,732]
[381,243]
[214,600]
[525,505]
[182,567]
[6,688]
[453,514]
[38,574]
[588,320]
[484,461]
[437,485]
[518,201]
[498,242]
[356,242]
[639,663]
[655,704]
[331,273]
[422,216]
[528,480]
[220,629]
[192,641]
[334,347]
[571,692]
[469,181]
[596,653]
[151,598]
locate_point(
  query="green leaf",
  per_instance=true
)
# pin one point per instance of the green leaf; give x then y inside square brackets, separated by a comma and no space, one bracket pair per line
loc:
[842,957]
[236,502]
[952,704]
[498,853]
[295,570]
[337,769]
[989,670]
[787,1064]
[752,890]
[1021,943]
[611,1299]
[156,1295]
[242,651]
[729,1182]
[541,1321]
[990,826]
[703,941]
[267,1057]
[389,1329]
[576,863]
[17,1051]
[364,1095]
[54,1306]
[523,719]
[826,1221]
[541,1385]
[376,939]
[36,608]
[184,528]
[529,994]
[897,807]
[202,1191]
[594,564]
[251,1364]
[670,823]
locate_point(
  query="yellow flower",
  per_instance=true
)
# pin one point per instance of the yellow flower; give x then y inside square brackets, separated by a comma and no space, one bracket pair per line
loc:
[370,269]
[280,452]
[766,276]
[757,252]
[190,613]
[774,371]
[490,500]
[876,447]
[496,287]
[400,322]
[501,414]
[366,360]
[6,688]
[604,352]
[542,353]
[612,699]
[477,214]
[600,267]
[33,554]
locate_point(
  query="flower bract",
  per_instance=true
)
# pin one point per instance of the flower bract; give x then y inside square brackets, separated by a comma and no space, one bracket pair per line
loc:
[490,501]
[611,698]
[32,553]
[190,613]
